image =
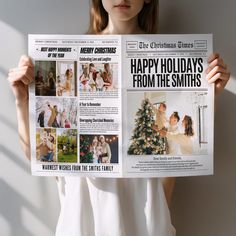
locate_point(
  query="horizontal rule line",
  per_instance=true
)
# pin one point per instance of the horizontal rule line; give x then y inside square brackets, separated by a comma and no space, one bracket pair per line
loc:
[76,39]
[165,51]
[166,89]
[163,56]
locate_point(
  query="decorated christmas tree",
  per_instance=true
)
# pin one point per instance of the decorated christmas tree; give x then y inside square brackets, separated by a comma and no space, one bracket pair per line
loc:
[145,140]
[86,156]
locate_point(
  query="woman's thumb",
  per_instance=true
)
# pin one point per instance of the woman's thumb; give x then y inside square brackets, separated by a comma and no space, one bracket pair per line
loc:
[25,61]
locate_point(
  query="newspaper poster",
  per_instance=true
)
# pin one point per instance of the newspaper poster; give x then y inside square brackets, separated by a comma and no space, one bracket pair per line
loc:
[121,105]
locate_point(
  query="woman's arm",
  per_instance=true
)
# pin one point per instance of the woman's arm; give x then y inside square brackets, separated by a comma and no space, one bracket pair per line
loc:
[178,137]
[168,186]
[19,78]
[218,73]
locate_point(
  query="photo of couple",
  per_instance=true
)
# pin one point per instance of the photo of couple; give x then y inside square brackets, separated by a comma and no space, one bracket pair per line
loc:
[46,145]
[98,77]
[169,123]
[99,149]
[56,112]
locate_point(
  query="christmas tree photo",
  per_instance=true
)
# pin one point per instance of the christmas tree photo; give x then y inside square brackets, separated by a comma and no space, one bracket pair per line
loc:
[86,155]
[145,139]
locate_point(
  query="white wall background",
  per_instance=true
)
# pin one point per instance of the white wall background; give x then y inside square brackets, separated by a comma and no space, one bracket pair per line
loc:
[202,206]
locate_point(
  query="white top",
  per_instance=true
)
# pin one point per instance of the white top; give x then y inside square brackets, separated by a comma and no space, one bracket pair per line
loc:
[99,83]
[174,147]
[185,142]
[112,207]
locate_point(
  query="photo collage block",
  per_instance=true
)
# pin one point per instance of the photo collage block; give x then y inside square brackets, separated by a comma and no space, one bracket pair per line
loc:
[57,134]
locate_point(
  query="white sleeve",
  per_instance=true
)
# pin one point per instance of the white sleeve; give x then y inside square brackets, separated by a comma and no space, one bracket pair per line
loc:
[173,132]
[178,138]
[61,188]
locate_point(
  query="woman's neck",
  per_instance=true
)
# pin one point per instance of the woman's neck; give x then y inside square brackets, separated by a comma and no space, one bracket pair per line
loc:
[123,27]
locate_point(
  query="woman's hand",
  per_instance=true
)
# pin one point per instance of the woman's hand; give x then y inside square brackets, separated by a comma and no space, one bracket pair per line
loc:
[155,127]
[20,78]
[217,72]
[162,133]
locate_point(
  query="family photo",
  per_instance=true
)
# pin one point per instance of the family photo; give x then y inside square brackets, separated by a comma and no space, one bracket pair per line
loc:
[46,145]
[56,112]
[67,145]
[98,77]
[167,123]
[99,149]
[45,78]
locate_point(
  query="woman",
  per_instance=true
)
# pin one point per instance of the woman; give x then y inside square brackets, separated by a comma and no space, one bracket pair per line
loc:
[93,149]
[117,207]
[84,78]
[68,76]
[50,144]
[92,78]
[107,76]
[51,87]
[62,118]
[99,81]
[46,148]
[41,118]
[183,139]
[52,122]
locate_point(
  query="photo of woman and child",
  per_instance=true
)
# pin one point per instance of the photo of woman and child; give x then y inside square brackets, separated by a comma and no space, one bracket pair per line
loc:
[178,143]
[45,145]
[66,83]
[56,113]
[99,149]
[45,80]
[98,77]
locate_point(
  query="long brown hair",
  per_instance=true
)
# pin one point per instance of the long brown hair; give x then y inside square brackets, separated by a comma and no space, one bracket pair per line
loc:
[147,18]
[188,126]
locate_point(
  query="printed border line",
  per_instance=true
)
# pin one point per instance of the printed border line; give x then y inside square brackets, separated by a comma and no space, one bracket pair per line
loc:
[167,90]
